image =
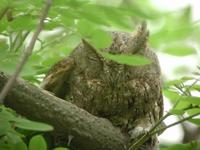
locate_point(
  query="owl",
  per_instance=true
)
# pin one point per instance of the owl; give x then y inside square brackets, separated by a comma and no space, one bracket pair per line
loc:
[129,96]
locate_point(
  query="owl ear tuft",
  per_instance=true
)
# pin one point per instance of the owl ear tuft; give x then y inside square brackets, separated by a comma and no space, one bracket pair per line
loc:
[143,26]
[140,37]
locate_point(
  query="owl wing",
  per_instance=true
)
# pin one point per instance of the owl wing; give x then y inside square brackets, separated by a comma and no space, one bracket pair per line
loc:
[56,79]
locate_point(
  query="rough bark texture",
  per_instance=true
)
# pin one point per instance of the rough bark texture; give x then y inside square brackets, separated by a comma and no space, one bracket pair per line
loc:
[89,132]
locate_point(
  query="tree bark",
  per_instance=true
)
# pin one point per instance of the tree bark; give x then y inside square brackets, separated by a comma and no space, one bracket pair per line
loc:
[88,131]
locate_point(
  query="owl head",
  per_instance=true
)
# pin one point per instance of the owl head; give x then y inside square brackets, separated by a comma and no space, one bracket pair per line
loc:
[123,43]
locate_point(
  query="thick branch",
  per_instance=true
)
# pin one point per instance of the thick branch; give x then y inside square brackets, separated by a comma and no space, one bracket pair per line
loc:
[89,132]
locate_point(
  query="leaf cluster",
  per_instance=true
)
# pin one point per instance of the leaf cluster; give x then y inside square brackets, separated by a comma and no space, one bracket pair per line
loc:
[16,130]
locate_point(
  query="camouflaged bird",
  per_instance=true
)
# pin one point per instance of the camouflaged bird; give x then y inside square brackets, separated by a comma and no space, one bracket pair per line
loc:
[129,96]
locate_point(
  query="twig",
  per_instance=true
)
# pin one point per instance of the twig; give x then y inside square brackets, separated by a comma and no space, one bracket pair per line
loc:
[146,136]
[3,12]
[175,123]
[10,41]
[15,40]
[27,53]
[23,38]
[187,89]
[184,92]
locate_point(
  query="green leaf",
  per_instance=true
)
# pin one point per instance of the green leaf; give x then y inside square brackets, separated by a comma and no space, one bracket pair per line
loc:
[191,99]
[29,71]
[193,111]
[51,25]
[116,17]
[182,105]
[20,146]
[3,46]
[171,95]
[86,28]
[5,126]
[195,87]
[60,2]
[8,66]
[3,4]
[182,69]
[14,137]
[101,39]
[174,97]
[179,49]
[170,35]
[142,9]
[179,81]
[195,121]
[24,123]
[177,112]
[23,22]
[186,101]
[189,146]
[68,20]
[32,125]
[12,143]
[60,148]
[173,30]
[3,25]
[24,5]
[132,60]
[71,42]
[37,143]
[6,115]
[96,17]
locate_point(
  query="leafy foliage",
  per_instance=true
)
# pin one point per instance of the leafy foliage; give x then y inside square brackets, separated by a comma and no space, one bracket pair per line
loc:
[75,21]
[189,146]
[37,142]
[14,129]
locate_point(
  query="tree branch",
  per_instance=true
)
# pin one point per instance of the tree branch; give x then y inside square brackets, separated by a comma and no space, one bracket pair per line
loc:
[88,131]
[175,123]
[27,53]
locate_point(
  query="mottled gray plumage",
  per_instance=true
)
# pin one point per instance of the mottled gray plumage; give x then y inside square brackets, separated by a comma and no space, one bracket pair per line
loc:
[129,96]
